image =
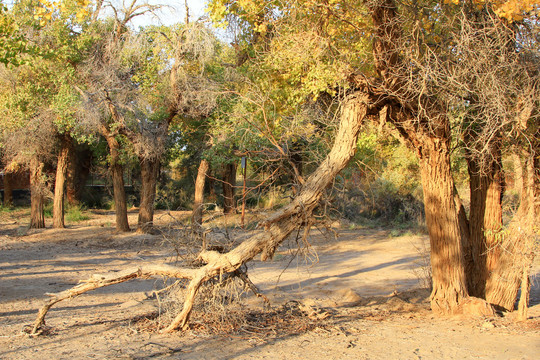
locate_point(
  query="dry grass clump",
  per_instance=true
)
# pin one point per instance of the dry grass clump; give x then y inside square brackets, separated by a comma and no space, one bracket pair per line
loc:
[242,321]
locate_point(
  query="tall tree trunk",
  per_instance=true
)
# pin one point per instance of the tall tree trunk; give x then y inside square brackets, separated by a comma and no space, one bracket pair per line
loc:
[229,183]
[149,175]
[37,196]
[8,190]
[447,262]
[486,183]
[117,173]
[196,217]
[66,147]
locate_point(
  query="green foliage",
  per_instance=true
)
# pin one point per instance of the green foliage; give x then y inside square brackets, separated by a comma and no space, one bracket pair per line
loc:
[382,183]
[76,214]
[175,195]
[6,209]
[48,209]
[13,44]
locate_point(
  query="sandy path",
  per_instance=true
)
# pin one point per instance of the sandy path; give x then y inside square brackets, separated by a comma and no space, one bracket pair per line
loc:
[352,280]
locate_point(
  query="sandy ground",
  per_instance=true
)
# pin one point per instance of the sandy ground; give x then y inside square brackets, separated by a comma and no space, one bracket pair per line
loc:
[354,296]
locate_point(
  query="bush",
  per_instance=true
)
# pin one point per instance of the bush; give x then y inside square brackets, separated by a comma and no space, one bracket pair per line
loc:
[383,202]
[75,214]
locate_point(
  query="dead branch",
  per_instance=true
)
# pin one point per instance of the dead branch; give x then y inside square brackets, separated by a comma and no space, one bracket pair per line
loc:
[98,281]
[279,226]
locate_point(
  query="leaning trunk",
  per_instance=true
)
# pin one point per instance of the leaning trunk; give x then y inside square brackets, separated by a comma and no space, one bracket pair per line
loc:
[449,284]
[117,173]
[229,182]
[8,190]
[196,217]
[284,221]
[149,174]
[37,196]
[59,186]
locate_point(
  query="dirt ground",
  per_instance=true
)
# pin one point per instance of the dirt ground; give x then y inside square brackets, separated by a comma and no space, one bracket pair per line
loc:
[356,295]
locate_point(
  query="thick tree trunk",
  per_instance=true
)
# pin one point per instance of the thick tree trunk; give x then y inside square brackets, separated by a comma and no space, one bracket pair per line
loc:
[229,183]
[196,217]
[485,220]
[8,190]
[117,173]
[37,196]
[59,186]
[447,262]
[149,175]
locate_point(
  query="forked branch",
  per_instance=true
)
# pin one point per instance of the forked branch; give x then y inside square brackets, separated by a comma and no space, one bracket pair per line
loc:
[277,228]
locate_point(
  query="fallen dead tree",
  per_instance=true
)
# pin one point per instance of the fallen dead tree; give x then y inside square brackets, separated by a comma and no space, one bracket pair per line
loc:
[277,227]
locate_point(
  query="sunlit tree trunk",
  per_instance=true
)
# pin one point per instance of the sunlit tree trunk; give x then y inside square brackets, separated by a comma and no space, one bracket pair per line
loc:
[447,262]
[486,182]
[37,197]
[196,217]
[424,125]
[66,146]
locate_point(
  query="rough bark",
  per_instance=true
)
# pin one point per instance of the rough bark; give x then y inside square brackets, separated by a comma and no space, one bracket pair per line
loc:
[447,262]
[485,220]
[37,195]
[66,146]
[8,190]
[149,175]
[117,173]
[229,183]
[277,227]
[422,122]
[196,217]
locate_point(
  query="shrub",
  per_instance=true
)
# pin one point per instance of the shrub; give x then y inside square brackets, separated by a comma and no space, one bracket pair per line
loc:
[75,214]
